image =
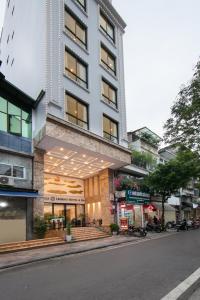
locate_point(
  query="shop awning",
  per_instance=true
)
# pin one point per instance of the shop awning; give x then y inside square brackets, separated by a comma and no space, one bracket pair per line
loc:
[168,207]
[25,194]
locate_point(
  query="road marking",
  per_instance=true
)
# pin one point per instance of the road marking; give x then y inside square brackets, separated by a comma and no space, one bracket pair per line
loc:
[184,287]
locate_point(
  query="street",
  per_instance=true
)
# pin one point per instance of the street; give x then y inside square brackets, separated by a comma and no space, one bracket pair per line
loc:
[148,270]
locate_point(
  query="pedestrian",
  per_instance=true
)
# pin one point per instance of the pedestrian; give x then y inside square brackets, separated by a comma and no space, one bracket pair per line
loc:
[155,220]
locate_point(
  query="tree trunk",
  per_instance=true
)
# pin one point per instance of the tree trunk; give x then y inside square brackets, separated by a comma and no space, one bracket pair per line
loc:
[163,213]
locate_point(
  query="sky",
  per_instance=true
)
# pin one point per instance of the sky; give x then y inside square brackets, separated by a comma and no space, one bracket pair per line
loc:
[161,48]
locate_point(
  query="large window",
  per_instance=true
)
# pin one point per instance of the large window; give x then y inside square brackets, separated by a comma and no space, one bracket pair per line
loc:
[76,112]
[107,27]
[109,94]
[108,60]
[110,129]
[75,69]
[82,3]
[75,29]
[14,120]
[12,171]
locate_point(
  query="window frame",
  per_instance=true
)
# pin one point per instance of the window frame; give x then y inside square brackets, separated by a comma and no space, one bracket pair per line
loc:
[105,64]
[80,24]
[84,7]
[12,171]
[115,138]
[81,62]
[78,101]
[8,115]
[108,22]
[109,101]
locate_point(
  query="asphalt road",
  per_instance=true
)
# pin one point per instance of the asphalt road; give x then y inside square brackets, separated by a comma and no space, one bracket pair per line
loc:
[147,270]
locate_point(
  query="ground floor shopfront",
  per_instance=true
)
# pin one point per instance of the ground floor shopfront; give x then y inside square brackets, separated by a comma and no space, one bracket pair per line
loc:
[16,211]
[74,171]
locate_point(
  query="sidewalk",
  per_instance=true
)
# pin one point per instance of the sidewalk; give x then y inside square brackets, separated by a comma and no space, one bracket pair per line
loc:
[35,255]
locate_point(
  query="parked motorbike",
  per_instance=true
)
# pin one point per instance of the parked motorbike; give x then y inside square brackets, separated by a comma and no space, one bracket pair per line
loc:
[171,225]
[137,231]
[153,227]
[182,225]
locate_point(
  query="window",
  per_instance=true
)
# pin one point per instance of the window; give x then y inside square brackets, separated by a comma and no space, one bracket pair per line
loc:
[5,170]
[18,172]
[12,171]
[108,60]
[109,94]
[110,129]
[14,120]
[107,27]
[75,69]
[13,34]
[7,61]
[75,29]
[82,3]
[8,38]
[13,10]
[76,111]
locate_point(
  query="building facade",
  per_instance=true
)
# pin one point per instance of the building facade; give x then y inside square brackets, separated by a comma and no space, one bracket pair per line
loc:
[73,50]
[16,163]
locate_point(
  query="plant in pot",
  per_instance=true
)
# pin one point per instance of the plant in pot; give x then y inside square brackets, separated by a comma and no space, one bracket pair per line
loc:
[114,228]
[40,227]
[68,230]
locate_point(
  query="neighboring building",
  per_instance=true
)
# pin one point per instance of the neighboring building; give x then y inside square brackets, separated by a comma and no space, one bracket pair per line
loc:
[16,163]
[187,201]
[73,50]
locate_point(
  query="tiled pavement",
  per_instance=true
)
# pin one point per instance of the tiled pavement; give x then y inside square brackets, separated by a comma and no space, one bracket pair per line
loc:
[28,256]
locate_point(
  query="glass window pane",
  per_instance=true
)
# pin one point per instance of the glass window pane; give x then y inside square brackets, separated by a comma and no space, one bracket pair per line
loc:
[105,89]
[106,125]
[102,22]
[80,32]
[112,95]
[70,63]
[113,129]
[48,211]
[5,170]
[59,210]
[26,129]
[104,55]
[18,172]
[82,112]
[111,63]
[3,105]
[15,125]
[3,121]
[70,22]
[81,71]
[71,106]
[110,31]
[14,110]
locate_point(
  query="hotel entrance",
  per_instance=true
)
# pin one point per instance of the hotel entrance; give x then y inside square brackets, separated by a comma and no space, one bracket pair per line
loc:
[57,215]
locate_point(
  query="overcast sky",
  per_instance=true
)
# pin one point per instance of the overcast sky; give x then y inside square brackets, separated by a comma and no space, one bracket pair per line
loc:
[161,48]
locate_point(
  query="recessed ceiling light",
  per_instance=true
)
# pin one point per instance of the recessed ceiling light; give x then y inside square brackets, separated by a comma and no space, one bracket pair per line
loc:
[51,157]
[47,170]
[86,163]
[55,165]
[71,162]
[66,157]
[61,149]
[91,172]
[74,169]
[65,173]
[48,153]
[84,155]
[90,167]
[102,161]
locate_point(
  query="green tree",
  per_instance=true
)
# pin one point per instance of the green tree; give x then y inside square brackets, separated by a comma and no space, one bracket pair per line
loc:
[143,159]
[167,179]
[184,124]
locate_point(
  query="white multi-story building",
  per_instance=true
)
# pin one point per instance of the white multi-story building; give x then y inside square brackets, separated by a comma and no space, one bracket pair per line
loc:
[73,51]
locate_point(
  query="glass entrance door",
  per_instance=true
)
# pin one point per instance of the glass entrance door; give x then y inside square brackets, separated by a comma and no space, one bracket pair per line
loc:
[70,213]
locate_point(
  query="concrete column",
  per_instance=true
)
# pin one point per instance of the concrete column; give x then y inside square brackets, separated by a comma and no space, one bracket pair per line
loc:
[38,182]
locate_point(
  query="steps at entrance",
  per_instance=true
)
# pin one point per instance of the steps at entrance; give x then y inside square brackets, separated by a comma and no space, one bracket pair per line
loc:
[87,233]
[32,244]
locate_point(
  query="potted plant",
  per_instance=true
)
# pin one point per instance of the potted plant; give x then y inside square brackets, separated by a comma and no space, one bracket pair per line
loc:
[40,227]
[68,230]
[114,228]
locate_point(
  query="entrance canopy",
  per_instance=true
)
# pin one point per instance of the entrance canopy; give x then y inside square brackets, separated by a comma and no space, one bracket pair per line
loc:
[77,153]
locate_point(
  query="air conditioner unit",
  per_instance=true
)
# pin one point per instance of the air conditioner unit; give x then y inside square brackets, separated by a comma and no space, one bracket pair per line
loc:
[4,180]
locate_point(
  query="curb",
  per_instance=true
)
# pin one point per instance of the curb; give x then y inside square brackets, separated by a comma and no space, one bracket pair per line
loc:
[186,288]
[35,260]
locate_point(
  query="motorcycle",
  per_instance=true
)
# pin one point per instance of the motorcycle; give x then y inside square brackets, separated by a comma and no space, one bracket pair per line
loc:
[153,227]
[137,231]
[171,225]
[182,225]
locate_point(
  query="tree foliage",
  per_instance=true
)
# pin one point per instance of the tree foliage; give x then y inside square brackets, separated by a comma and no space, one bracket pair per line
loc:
[167,179]
[143,159]
[184,124]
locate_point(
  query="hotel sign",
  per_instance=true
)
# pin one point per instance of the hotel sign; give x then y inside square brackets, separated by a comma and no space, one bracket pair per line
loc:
[64,200]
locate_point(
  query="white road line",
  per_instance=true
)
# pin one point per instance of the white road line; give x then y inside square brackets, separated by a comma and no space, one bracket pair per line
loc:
[183,286]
